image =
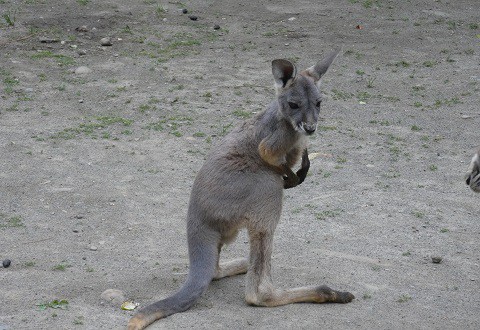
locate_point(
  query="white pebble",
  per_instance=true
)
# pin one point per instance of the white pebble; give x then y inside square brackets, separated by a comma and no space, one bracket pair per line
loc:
[82,70]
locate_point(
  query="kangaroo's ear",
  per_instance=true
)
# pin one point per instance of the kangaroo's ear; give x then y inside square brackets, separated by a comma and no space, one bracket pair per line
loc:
[284,73]
[318,70]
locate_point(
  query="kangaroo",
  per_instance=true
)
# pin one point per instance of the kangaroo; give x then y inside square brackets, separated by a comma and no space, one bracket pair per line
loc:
[241,186]
[472,177]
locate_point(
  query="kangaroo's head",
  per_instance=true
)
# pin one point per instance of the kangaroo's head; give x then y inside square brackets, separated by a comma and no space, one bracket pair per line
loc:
[299,96]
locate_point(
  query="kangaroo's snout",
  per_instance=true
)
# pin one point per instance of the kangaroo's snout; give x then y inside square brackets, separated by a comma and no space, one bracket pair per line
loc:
[309,129]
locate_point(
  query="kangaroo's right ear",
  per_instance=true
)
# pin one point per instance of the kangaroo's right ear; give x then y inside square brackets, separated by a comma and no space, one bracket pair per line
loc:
[284,73]
[318,70]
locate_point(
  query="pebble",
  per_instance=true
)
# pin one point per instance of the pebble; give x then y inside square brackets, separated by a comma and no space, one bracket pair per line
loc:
[82,52]
[436,260]
[193,18]
[6,263]
[107,41]
[184,10]
[93,248]
[216,27]
[113,296]
[82,70]
[82,28]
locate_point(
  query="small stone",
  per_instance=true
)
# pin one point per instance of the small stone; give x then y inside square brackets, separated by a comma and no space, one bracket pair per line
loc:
[184,10]
[113,296]
[436,260]
[6,263]
[93,248]
[193,17]
[82,28]
[82,70]
[107,41]
[216,27]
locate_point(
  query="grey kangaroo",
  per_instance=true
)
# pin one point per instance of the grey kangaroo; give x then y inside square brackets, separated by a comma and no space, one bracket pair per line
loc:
[472,177]
[241,186]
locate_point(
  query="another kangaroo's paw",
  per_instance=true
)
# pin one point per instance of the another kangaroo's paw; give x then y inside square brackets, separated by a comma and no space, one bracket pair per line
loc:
[472,178]
[334,296]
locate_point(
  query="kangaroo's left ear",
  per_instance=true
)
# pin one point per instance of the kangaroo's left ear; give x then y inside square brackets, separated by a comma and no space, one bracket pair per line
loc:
[284,73]
[318,70]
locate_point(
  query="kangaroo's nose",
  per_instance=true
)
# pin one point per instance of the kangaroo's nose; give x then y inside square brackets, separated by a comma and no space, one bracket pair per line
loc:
[310,129]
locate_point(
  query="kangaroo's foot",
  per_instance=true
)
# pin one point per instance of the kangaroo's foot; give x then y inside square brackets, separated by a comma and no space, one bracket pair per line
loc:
[260,290]
[231,268]
[313,294]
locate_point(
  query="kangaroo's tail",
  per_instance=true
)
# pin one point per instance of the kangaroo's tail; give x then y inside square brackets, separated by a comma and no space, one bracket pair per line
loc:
[203,259]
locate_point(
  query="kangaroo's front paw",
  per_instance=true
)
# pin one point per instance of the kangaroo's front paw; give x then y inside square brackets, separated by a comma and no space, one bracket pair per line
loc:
[290,181]
[302,172]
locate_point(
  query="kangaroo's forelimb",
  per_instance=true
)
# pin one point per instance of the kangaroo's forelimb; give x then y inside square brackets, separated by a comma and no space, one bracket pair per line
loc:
[294,179]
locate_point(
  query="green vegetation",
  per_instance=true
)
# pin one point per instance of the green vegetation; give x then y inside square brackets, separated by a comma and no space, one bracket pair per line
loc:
[327,214]
[92,127]
[178,45]
[9,18]
[55,304]
[404,298]
[61,267]
[10,221]
[242,114]
[8,80]
[62,60]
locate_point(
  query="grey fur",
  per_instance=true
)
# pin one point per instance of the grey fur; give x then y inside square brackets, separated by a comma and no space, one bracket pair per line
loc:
[241,186]
[472,177]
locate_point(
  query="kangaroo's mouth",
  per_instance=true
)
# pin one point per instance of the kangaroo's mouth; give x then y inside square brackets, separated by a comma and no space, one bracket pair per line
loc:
[306,128]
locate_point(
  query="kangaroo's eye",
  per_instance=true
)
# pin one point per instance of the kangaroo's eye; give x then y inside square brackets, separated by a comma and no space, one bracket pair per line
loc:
[293,105]
[318,104]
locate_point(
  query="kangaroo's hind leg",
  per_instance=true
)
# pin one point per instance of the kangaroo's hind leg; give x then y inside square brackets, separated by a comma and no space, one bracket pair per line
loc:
[260,290]
[230,268]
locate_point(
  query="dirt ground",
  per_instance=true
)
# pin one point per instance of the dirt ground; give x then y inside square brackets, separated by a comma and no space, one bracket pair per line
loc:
[96,163]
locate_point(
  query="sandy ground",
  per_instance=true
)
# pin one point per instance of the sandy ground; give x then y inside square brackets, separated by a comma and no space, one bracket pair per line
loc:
[96,165]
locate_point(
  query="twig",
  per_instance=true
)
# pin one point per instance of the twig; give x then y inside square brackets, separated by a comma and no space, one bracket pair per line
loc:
[40,240]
